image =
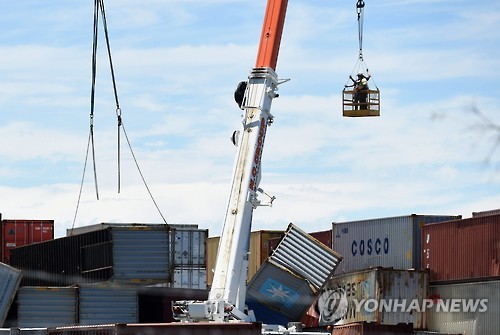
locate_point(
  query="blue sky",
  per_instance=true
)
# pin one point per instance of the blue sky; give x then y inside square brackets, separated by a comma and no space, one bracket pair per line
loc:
[177,64]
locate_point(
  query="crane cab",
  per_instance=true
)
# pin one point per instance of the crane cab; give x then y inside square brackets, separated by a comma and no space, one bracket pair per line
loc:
[362,103]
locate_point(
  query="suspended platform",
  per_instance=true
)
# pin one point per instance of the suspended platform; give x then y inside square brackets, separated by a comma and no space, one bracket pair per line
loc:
[367,103]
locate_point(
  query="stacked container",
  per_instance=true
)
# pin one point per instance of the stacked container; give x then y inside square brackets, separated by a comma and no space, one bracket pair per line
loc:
[387,242]
[17,233]
[463,259]
[462,250]
[189,257]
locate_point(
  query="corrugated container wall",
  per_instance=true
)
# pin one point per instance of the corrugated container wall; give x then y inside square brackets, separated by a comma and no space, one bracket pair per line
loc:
[387,242]
[462,250]
[141,254]
[324,237]
[259,251]
[10,278]
[47,307]
[190,277]
[108,304]
[366,296]
[189,247]
[17,233]
[66,261]
[483,319]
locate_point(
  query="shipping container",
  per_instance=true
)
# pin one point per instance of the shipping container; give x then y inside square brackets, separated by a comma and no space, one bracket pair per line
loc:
[135,254]
[379,295]
[189,277]
[259,251]
[277,296]
[286,285]
[466,308]
[10,278]
[364,328]
[47,306]
[486,213]
[324,237]
[387,242]
[109,303]
[17,233]
[107,225]
[305,256]
[462,250]
[177,328]
[189,247]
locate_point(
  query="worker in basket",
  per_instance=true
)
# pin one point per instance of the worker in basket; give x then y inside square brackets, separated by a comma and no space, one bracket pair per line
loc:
[360,90]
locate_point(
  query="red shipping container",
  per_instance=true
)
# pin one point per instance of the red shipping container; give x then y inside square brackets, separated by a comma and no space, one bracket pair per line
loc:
[324,237]
[462,250]
[17,233]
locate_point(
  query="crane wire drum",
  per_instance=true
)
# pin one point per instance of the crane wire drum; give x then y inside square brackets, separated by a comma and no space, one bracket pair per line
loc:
[358,100]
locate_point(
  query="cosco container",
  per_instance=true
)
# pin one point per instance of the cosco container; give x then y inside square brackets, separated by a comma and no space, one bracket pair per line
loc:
[364,328]
[189,247]
[189,277]
[176,328]
[462,250]
[387,242]
[379,295]
[110,303]
[47,306]
[466,308]
[134,254]
[258,253]
[10,279]
[16,233]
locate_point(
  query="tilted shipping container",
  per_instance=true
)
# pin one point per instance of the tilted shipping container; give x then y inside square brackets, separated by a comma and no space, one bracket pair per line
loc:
[387,242]
[10,279]
[462,250]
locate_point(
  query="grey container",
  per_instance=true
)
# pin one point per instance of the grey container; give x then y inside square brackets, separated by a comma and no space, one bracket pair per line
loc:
[481,321]
[375,291]
[388,242]
[140,255]
[189,246]
[10,279]
[108,304]
[47,306]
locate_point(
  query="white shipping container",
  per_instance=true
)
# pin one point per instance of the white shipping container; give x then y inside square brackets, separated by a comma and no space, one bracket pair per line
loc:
[189,247]
[477,311]
[9,283]
[387,242]
[379,295]
[193,278]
